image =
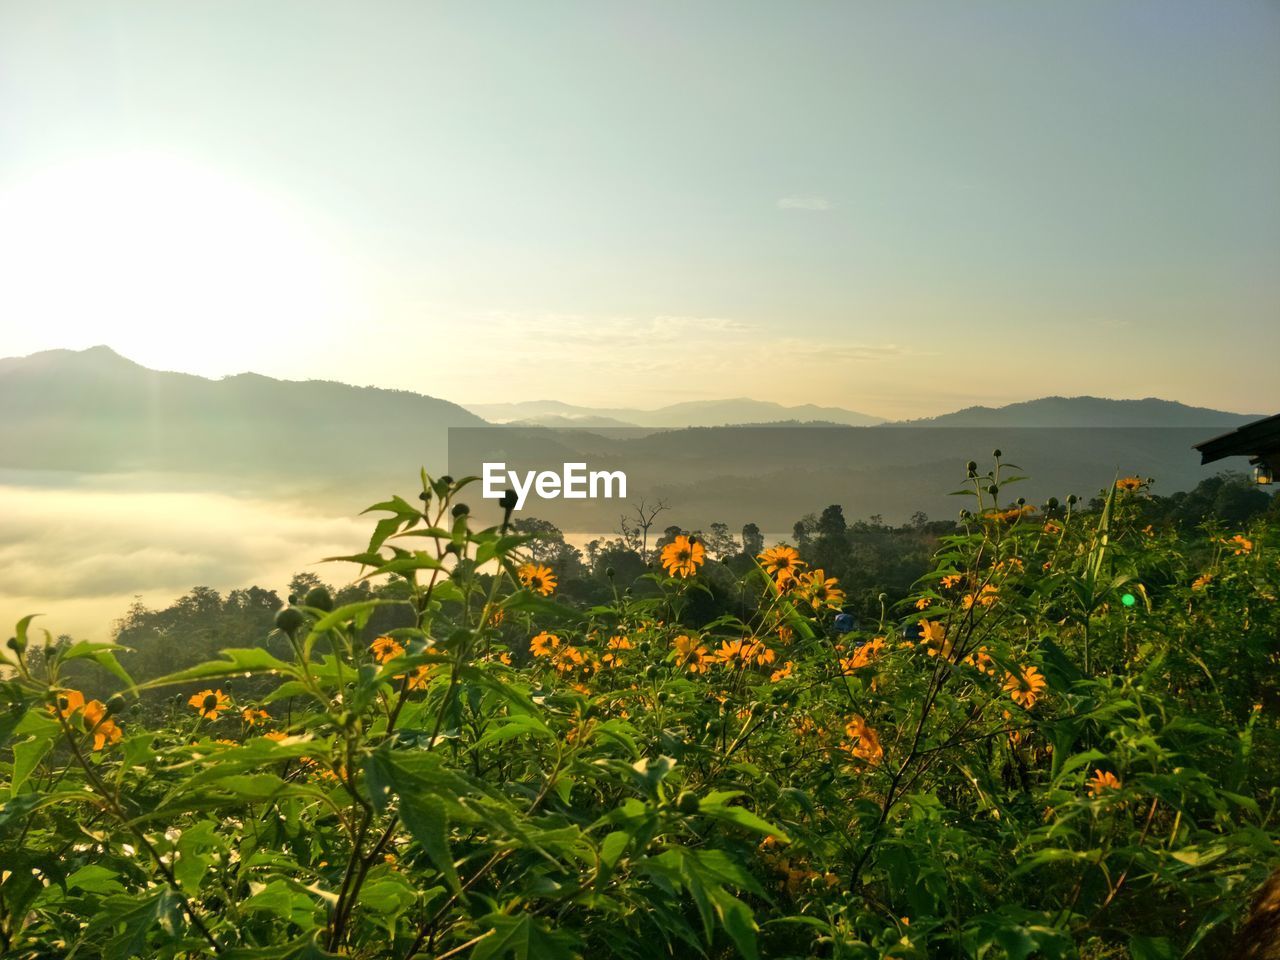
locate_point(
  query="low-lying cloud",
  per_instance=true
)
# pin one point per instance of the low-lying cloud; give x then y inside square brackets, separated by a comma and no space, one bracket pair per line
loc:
[79,556]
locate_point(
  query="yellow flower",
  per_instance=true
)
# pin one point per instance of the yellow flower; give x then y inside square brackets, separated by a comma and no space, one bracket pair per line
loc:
[1201,581]
[1051,528]
[1102,781]
[781,562]
[614,648]
[209,703]
[950,580]
[785,634]
[276,735]
[932,633]
[823,591]
[544,644]
[682,556]
[1129,484]
[386,648]
[104,729]
[745,651]
[981,660]
[781,673]
[864,743]
[251,716]
[1025,686]
[537,578]
[923,603]
[691,654]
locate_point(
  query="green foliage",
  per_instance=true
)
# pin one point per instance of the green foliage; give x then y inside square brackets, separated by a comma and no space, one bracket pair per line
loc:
[448,759]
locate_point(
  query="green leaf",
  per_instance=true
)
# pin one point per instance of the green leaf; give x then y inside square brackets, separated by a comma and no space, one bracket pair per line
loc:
[245,660]
[103,654]
[428,821]
[28,753]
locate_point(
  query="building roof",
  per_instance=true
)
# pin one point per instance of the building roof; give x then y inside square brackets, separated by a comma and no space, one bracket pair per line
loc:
[1253,439]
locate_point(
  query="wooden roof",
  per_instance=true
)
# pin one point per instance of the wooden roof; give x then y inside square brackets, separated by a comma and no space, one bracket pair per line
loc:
[1260,438]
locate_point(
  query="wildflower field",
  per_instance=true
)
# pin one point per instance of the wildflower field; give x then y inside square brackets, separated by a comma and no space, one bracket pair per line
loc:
[1062,743]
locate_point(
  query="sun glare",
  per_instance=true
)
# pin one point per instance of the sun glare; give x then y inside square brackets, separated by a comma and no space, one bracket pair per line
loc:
[172,263]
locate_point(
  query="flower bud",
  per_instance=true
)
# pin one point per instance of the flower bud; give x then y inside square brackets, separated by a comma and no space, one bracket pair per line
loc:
[289,620]
[460,510]
[319,598]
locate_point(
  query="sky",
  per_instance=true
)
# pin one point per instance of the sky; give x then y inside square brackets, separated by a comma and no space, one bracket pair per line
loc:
[899,208]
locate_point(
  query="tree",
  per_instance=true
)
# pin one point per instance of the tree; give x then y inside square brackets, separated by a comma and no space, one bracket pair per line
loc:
[752,540]
[720,542]
[635,530]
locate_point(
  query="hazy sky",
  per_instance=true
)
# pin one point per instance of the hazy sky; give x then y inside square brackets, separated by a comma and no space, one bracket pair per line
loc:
[896,207]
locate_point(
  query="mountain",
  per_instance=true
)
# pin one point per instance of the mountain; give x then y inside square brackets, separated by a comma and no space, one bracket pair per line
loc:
[1086,412]
[93,411]
[693,413]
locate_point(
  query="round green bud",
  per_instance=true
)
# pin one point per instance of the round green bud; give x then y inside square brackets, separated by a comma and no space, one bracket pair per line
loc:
[289,620]
[687,802]
[460,510]
[319,598]
[608,572]
[115,704]
[996,453]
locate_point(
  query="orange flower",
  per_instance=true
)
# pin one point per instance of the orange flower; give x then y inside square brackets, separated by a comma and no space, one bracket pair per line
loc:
[868,653]
[781,673]
[102,727]
[276,735]
[386,648]
[986,596]
[252,717]
[420,679]
[567,659]
[924,603]
[1051,528]
[1129,484]
[1243,545]
[932,633]
[1025,685]
[544,644]
[1201,581]
[209,703]
[950,580]
[786,634]
[69,701]
[864,743]
[823,591]
[537,578]
[691,654]
[682,556]
[781,562]
[1102,781]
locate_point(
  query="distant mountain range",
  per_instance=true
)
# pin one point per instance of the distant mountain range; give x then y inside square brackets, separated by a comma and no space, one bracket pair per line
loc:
[95,412]
[1086,412]
[694,413]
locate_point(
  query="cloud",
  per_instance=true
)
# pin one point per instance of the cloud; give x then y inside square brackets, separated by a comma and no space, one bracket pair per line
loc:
[804,202]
